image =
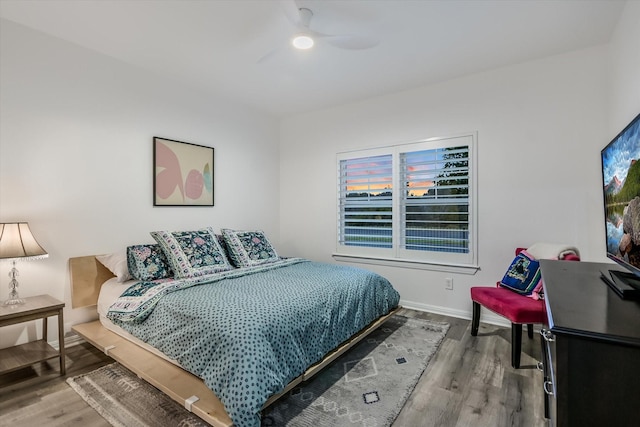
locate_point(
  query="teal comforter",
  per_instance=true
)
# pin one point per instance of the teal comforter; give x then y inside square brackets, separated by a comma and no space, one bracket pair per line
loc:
[249,332]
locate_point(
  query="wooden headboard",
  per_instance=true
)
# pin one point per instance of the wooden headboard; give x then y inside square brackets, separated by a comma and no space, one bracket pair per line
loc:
[87,276]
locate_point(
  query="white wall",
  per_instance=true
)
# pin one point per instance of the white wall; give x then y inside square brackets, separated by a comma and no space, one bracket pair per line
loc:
[625,70]
[540,127]
[76,159]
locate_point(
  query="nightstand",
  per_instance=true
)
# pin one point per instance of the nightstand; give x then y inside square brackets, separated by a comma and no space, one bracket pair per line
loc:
[20,356]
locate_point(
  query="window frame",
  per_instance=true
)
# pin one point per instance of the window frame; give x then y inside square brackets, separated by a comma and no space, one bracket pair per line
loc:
[396,256]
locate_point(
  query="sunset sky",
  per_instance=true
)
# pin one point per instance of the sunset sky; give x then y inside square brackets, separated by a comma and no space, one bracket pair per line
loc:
[365,175]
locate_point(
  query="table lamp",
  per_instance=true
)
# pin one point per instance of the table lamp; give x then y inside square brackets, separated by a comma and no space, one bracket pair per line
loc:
[17,242]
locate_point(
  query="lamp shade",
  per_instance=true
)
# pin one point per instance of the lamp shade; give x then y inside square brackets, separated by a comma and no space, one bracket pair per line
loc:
[17,241]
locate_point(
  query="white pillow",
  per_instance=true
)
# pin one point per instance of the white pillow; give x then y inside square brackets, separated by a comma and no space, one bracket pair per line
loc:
[552,250]
[117,264]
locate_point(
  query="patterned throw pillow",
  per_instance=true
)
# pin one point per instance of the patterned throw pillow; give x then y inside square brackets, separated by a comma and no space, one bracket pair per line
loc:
[523,275]
[248,248]
[192,253]
[147,262]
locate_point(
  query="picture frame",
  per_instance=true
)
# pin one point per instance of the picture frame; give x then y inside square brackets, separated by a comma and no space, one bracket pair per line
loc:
[182,173]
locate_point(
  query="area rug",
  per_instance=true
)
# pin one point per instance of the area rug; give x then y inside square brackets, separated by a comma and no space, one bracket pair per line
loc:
[368,385]
[125,400]
[365,387]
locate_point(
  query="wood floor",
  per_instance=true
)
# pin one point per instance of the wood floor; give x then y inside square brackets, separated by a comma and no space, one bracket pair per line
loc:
[469,382]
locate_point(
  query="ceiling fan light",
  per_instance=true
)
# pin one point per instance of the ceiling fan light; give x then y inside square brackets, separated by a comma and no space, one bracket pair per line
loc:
[302,41]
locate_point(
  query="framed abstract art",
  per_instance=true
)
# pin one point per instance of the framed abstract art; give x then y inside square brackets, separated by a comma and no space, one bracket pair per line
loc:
[182,173]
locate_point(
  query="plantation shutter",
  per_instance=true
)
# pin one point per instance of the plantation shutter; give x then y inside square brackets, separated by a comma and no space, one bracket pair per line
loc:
[413,202]
[435,200]
[365,202]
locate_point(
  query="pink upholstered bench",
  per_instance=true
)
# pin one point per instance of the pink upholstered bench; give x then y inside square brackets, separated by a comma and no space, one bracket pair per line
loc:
[517,308]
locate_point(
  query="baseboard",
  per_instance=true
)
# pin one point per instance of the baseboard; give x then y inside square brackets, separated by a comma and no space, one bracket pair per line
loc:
[486,316]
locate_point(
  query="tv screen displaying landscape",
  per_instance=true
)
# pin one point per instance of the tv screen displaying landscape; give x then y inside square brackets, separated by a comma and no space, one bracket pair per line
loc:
[621,178]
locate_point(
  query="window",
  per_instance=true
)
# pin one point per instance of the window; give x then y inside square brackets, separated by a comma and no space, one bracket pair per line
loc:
[412,202]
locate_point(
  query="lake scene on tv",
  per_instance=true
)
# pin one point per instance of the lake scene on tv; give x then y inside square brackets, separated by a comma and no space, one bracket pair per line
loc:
[621,173]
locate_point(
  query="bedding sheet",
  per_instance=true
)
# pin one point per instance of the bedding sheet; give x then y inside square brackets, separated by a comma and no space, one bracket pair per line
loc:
[249,332]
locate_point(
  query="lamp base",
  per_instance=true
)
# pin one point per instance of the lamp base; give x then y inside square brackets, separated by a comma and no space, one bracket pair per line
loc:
[14,301]
[14,298]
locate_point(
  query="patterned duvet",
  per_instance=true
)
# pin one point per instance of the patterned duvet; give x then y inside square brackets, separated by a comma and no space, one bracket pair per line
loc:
[249,332]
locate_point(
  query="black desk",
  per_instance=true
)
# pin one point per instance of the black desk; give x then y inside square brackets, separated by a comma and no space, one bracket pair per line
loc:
[592,351]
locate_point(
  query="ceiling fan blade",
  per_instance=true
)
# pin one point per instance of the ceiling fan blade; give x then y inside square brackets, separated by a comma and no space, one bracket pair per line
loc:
[353,42]
[268,55]
[291,11]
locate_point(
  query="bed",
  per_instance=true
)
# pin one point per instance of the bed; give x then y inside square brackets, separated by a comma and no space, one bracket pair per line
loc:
[125,334]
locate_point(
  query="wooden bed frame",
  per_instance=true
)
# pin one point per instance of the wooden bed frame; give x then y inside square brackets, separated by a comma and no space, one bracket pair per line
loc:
[88,275]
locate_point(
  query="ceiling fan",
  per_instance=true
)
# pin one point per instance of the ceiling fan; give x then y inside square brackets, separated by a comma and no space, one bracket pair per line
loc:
[303,37]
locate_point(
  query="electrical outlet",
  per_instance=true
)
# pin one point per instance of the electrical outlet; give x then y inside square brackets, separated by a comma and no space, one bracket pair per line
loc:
[448,283]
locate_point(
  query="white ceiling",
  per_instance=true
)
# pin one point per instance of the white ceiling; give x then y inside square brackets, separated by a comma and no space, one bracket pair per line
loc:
[216,44]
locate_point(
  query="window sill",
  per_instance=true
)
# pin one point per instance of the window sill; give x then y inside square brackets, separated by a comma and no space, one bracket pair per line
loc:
[405,263]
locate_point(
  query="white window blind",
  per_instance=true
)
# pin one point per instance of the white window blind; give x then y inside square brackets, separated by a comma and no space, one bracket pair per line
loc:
[410,202]
[366,201]
[435,200]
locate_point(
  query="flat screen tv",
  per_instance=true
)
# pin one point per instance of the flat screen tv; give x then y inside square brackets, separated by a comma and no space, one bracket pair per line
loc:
[621,186]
